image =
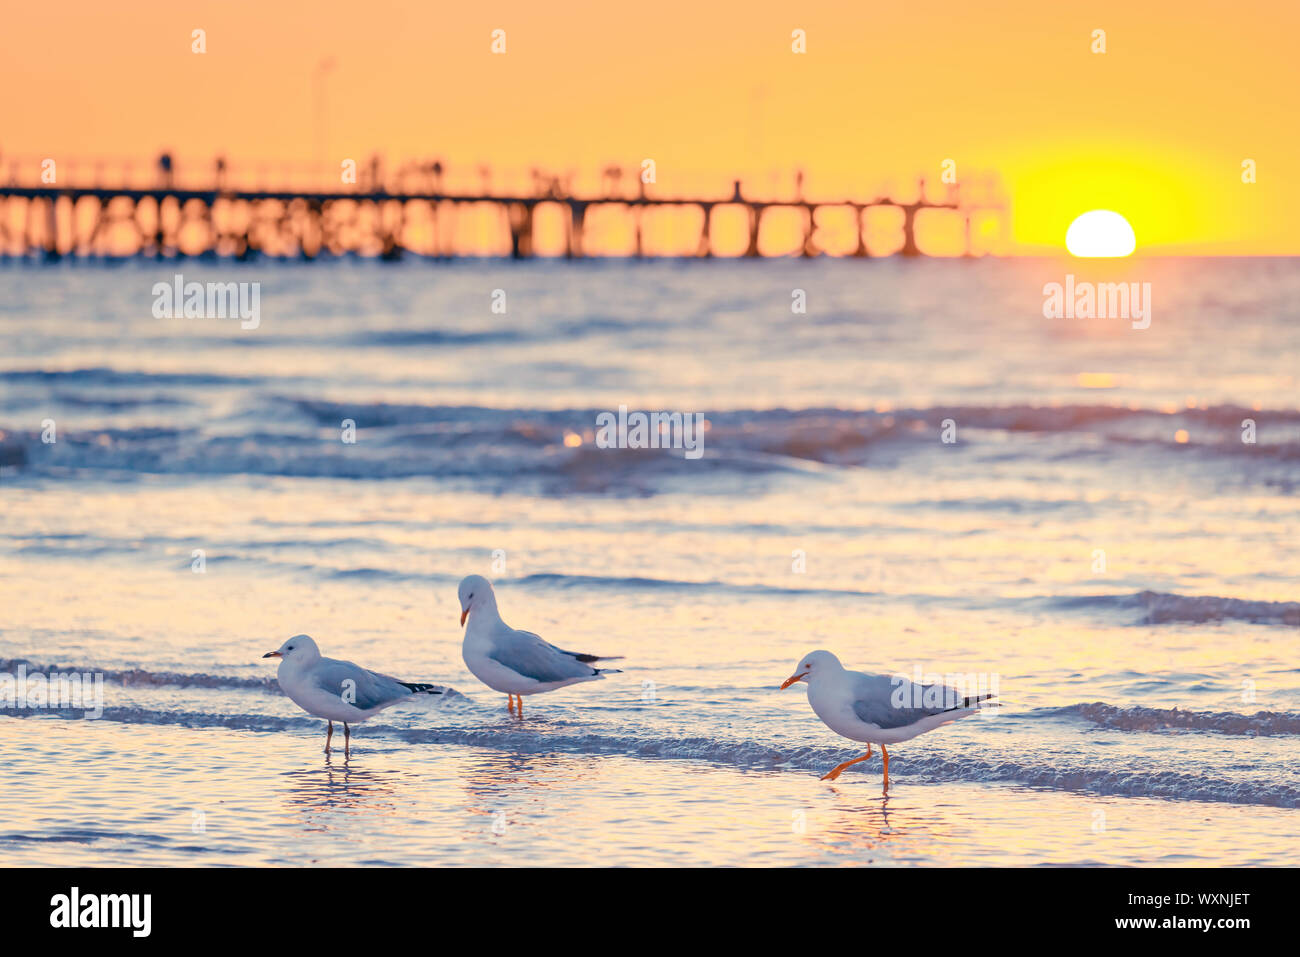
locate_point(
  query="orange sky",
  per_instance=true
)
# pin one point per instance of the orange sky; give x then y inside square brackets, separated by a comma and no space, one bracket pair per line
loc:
[1156,128]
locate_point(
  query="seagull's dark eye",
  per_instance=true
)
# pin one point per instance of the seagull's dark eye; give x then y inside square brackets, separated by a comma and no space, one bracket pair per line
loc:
[471,596]
[290,648]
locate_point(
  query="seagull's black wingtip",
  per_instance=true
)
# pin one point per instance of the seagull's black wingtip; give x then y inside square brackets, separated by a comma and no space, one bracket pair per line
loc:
[416,688]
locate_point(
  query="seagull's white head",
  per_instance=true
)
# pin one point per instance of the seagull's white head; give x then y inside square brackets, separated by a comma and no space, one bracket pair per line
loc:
[814,665]
[475,592]
[299,649]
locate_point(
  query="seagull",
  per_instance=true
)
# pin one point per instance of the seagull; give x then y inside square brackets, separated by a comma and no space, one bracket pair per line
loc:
[337,690]
[515,662]
[877,709]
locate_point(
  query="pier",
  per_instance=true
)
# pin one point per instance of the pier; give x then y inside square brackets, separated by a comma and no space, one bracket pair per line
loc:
[50,221]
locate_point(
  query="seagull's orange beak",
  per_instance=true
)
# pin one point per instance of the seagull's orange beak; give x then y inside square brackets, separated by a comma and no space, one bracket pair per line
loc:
[791,680]
[273,654]
[463,615]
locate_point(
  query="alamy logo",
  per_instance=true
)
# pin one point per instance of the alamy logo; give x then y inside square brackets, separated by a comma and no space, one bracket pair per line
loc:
[179,299]
[932,691]
[1107,300]
[103,910]
[72,691]
[651,430]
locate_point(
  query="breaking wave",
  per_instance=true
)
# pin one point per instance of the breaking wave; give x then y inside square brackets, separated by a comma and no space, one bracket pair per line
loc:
[1162,607]
[1176,719]
[1165,784]
[556,448]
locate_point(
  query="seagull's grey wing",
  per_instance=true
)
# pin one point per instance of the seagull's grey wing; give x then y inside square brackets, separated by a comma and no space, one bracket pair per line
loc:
[880,701]
[357,686]
[527,654]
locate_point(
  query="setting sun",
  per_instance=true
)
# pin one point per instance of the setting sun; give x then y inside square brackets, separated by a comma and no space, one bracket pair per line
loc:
[1100,233]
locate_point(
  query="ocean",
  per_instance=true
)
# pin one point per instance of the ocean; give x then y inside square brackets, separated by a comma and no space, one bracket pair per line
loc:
[904,462]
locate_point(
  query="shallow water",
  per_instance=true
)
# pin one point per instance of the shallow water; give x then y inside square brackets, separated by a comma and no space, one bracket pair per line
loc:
[1151,694]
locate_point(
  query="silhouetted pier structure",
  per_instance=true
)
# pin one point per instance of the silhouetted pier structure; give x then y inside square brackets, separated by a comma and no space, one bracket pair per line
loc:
[58,220]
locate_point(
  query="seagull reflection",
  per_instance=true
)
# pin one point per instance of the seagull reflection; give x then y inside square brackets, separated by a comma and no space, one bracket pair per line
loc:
[856,828]
[512,788]
[498,773]
[328,795]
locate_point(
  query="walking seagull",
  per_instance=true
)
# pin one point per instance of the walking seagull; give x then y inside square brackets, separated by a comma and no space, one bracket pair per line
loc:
[877,709]
[512,661]
[337,690]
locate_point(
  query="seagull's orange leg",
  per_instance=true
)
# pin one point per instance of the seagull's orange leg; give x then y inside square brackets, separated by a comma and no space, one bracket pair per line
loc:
[328,735]
[510,703]
[886,754]
[520,699]
[839,768]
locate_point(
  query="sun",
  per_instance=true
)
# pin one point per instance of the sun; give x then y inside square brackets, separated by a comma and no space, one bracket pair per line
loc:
[1100,233]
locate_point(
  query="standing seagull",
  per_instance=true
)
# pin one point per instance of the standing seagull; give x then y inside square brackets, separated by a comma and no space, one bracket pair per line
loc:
[877,709]
[512,661]
[337,690]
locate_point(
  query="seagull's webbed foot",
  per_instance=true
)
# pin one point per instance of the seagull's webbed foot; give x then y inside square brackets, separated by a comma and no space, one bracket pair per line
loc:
[836,771]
